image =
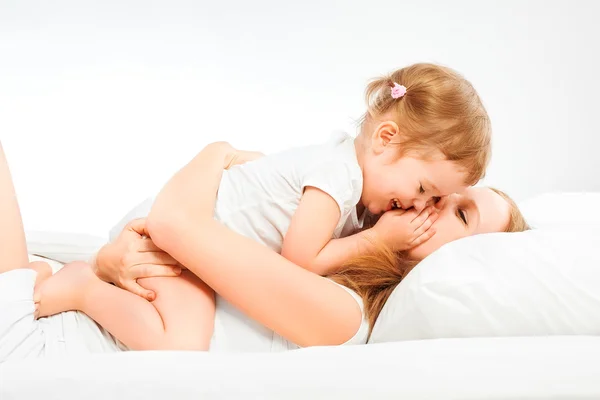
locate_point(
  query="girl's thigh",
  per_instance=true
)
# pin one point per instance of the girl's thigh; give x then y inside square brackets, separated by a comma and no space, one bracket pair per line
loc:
[187,307]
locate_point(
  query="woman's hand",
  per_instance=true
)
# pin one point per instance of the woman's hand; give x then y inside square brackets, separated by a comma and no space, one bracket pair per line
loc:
[403,230]
[133,255]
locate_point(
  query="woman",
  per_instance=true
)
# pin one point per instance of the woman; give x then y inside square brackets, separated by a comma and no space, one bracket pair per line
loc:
[303,308]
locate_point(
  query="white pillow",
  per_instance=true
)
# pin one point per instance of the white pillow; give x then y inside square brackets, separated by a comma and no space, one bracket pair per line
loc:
[63,247]
[502,284]
[563,210]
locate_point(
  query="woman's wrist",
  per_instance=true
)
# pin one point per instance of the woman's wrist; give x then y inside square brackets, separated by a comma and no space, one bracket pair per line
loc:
[98,263]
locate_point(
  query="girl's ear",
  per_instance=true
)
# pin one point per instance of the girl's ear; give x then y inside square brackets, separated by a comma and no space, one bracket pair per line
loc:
[385,133]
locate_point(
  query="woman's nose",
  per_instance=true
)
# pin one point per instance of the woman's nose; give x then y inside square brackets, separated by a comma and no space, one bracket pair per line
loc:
[440,204]
[432,202]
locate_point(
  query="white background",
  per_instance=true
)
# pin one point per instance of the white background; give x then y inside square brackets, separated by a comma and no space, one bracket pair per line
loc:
[101,101]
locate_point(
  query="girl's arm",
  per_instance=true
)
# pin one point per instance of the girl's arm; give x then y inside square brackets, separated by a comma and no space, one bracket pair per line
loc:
[308,240]
[303,307]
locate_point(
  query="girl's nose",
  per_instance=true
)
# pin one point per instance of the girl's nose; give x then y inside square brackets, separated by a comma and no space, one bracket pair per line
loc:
[419,205]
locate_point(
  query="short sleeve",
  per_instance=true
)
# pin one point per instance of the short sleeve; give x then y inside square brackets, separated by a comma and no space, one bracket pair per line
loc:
[362,334]
[337,180]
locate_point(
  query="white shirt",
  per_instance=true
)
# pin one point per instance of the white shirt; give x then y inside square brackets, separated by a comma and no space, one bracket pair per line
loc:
[258,200]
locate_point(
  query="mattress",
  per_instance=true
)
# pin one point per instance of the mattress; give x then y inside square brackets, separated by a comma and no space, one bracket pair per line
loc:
[542,367]
[559,367]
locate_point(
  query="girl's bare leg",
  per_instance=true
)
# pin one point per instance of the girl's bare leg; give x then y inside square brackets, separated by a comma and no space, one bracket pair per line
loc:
[13,248]
[181,317]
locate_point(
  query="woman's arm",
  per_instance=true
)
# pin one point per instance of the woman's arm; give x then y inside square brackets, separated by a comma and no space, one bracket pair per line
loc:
[133,255]
[303,307]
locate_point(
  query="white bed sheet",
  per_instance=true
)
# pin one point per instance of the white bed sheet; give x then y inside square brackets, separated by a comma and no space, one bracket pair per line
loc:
[566,367]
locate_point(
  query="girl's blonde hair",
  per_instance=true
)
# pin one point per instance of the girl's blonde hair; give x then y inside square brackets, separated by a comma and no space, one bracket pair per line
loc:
[440,112]
[375,276]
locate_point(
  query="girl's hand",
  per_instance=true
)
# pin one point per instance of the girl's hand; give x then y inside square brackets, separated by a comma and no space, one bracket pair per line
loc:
[133,255]
[403,230]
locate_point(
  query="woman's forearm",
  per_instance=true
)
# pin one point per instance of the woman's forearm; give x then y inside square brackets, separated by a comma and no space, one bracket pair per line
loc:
[301,306]
[184,194]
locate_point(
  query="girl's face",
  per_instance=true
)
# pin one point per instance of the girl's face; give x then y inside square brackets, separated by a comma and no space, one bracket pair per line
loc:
[475,211]
[390,182]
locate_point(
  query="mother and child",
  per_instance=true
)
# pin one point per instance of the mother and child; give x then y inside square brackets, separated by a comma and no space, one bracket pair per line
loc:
[307,244]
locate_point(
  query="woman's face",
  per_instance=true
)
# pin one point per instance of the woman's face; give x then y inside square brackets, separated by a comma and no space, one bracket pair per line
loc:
[474,211]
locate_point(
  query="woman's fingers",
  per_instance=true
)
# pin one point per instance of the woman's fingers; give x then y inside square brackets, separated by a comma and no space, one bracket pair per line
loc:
[150,254]
[146,245]
[133,287]
[157,257]
[154,270]
[138,226]
[146,271]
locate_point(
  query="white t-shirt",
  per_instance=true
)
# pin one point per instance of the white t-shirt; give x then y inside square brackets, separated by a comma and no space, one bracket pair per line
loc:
[258,200]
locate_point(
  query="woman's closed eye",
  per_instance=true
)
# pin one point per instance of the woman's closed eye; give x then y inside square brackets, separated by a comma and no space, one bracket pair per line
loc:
[460,213]
[421,189]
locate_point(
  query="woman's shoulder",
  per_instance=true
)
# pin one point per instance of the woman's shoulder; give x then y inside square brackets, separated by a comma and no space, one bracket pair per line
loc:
[362,334]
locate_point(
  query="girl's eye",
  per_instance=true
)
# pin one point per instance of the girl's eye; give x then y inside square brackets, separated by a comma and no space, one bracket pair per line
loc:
[436,199]
[421,190]
[462,216]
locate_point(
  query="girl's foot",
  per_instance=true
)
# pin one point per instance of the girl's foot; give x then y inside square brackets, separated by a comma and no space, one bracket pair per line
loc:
[64,290]
[44,271]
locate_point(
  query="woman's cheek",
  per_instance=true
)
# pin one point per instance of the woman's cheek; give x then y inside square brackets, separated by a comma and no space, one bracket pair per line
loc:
[422,250]
[435,242]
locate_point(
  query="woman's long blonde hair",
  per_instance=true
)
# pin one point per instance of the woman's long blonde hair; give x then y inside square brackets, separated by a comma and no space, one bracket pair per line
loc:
[375,276]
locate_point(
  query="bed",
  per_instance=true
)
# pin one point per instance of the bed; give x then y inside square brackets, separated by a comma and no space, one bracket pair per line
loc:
[499,316]
[561,367]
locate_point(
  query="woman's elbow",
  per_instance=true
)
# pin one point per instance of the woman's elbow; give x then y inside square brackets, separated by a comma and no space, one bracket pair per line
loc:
[162,228]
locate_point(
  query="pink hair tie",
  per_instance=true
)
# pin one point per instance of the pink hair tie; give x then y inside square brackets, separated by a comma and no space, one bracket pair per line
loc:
[398,90]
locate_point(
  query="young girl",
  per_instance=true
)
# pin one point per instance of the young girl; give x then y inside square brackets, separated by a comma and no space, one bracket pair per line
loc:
[305,309]
[425,135]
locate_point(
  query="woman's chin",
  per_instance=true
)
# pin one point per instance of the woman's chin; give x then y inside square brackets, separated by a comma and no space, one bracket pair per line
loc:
[421,251]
